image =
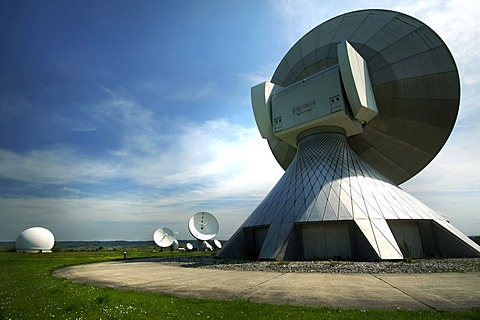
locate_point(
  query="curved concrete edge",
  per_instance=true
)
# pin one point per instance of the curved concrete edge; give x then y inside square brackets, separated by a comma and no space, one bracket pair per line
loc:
[440,291]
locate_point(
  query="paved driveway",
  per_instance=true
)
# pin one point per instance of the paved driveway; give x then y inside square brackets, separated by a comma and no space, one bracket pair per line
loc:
[437,291]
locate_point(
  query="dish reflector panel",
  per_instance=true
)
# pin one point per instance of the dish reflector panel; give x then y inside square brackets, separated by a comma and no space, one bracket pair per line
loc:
[164,237]
[217,243]
[203,226]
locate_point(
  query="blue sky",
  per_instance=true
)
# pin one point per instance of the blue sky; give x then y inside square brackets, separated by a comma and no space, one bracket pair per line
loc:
[120,117]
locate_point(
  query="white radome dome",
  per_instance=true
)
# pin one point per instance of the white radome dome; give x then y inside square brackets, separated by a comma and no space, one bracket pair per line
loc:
[35,239]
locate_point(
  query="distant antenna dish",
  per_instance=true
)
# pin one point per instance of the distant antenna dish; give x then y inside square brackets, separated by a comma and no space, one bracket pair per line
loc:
[164,237]
[189,246]
[203,226]
[175,245]
[217,243]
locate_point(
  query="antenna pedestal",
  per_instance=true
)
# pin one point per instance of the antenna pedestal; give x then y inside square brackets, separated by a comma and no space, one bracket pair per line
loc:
[330,204]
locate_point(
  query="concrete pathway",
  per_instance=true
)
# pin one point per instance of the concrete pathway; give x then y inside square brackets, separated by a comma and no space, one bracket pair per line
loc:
[438,291]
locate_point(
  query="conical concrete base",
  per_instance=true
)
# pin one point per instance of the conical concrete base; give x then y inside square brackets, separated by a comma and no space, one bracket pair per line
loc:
[331,204]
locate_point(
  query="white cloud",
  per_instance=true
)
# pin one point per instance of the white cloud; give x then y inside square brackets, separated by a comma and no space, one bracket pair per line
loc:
[217,154]
[453,170]
[55,165]
[264,73]
[113,218]
[299,17]
[59,215]
[123,112]
[211,155]
[194,93]
[215,165]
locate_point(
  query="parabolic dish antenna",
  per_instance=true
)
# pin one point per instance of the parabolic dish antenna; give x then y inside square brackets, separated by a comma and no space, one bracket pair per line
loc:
[175,245]
[414,79]
[360,104]
[189,246]
[217,243]
[203,226]
[164,237]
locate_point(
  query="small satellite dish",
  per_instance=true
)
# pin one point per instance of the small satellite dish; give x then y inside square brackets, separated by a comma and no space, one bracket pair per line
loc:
[164,237]
[189,246]
[217,243]
[175,245]
[203,226]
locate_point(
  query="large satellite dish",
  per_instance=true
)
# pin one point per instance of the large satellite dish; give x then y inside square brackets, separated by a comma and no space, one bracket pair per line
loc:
[360,104]
[406,60]
[164,237]
[203,226]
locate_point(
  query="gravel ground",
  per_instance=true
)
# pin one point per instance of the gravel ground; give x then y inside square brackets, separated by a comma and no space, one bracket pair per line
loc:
[413,266]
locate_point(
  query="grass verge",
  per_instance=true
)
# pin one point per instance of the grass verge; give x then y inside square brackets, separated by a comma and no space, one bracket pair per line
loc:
[28,291]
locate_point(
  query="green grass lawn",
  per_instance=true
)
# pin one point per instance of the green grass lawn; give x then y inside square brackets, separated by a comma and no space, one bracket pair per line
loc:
[28,291]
